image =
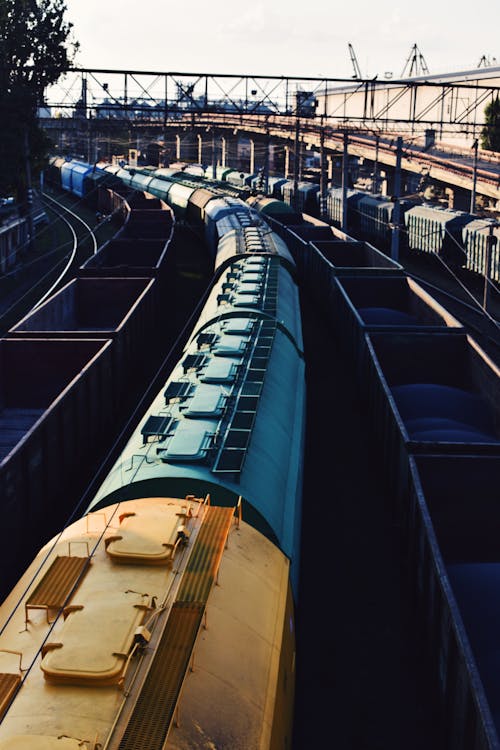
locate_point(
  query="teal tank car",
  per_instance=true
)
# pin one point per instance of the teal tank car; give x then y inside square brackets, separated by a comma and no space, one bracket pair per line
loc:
[230,418]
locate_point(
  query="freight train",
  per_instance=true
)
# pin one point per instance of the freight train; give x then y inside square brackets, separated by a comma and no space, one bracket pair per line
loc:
[460,239]
[228,422]
[183,573]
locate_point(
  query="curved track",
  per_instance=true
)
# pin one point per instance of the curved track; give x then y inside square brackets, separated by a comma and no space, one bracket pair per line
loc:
[35,274]
[76,242]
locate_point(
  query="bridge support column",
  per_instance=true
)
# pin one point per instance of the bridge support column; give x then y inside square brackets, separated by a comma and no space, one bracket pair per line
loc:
[205,150]
[274,152]
[287,161]
[252,156]
[329,167]
[186,146]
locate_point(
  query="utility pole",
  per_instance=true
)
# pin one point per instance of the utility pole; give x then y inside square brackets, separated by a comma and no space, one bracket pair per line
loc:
[322,180]
[491,243]
[474,180]
[266,163]
[375,166]
[396,213]
[214,155]
[345,165]
[296,161]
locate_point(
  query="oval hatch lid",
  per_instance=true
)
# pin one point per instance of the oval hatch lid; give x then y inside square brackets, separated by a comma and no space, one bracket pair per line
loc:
[235,326]
[190,442]
[250,278]
[247,288]
[246,300]
[208,402]
[219,370]
[231,346]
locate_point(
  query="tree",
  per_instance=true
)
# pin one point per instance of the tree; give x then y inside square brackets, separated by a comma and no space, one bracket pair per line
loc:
[35,48]
[490,135]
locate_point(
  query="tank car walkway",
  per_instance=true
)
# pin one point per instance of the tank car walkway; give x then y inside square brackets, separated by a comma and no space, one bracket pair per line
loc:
[359,682]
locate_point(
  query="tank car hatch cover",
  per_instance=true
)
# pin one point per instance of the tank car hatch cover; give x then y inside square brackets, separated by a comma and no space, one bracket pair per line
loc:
[147,536]
[190,442]
[235,326]
[208,401]
[246,301]
[248,288]
[219,371]
[37,742]
[250,278]
[95,640]
[231,346]
[254,262]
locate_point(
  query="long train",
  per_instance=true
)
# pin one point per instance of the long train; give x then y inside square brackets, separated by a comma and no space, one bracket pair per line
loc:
[459,238]
[127,599]
[432,399]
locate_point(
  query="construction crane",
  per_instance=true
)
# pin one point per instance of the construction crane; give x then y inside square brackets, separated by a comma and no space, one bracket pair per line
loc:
[486,62]
[417,64]
[357,72]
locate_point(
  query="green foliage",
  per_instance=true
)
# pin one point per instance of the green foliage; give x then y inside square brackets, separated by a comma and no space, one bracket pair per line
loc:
[34,50]
[490,135]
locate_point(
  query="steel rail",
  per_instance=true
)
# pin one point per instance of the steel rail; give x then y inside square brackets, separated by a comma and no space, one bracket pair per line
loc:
[74,249]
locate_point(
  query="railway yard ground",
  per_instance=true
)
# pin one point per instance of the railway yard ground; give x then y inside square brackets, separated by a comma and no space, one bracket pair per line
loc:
[361,684]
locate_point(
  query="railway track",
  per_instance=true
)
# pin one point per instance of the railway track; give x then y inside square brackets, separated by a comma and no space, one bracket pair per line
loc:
[72,240]
[73,259]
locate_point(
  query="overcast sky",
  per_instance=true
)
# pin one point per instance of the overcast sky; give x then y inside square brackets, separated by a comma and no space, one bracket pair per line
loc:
[276,37]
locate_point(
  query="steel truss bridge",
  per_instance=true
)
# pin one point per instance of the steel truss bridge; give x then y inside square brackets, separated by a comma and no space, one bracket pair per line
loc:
[372,111]
[413,104]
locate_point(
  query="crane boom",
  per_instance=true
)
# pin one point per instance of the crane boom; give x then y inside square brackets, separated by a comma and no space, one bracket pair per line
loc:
[357,71]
